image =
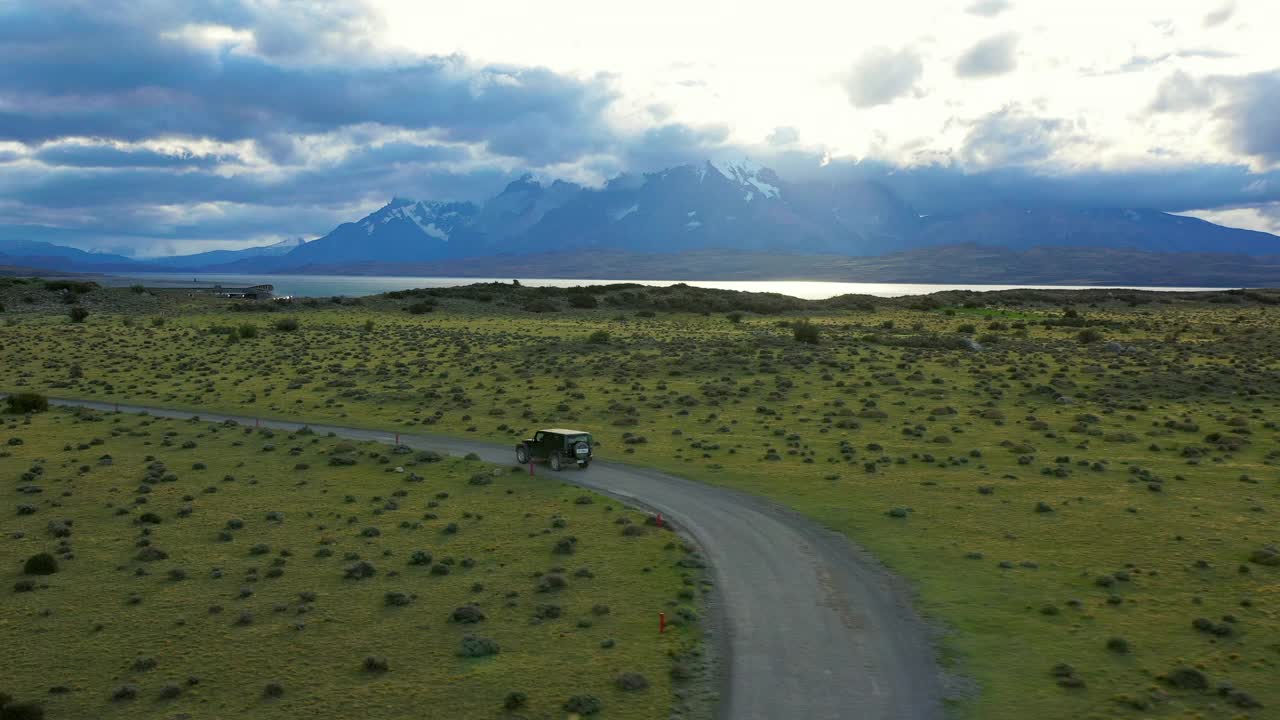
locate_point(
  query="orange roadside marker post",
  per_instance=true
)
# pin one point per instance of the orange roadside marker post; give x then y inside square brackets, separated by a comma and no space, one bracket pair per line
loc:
[662,623]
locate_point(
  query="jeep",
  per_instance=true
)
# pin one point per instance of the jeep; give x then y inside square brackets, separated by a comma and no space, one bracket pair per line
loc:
[558,447]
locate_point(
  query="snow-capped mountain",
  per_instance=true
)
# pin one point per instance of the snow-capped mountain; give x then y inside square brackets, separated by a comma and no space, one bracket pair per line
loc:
[705,206]
[402,230]
[736,205]
[521,205]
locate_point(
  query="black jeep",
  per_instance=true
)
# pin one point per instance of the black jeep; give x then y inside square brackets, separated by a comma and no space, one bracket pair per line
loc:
[558,447]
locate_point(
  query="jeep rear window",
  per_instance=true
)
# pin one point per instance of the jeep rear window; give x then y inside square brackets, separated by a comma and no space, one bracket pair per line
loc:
[577,438]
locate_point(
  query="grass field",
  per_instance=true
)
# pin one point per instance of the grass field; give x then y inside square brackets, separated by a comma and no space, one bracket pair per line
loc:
[1084,498]
[204,568]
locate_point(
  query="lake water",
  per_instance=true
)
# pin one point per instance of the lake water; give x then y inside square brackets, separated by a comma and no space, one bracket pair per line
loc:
[353,286]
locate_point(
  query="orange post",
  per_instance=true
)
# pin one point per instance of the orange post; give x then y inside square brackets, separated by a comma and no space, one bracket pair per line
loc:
[659,519]
[662,623]
[530,467]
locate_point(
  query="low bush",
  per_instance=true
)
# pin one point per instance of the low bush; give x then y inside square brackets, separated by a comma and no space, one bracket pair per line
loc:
[21,711]
[806,332]
[40,564]
[27,402]
[631,682]
[286,324]
[473,647]
[583,704]
[77,314]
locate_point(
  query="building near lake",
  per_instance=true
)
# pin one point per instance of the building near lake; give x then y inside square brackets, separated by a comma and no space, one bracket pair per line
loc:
[251,292]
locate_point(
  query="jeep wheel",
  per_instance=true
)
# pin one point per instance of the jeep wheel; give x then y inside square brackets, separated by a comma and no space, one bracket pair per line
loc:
[555,462]
[522,454]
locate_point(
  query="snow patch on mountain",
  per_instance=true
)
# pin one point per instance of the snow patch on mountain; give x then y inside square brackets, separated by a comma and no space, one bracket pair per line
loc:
[746,173]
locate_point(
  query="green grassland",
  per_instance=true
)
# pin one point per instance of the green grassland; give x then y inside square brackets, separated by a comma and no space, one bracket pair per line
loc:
[1093,485]
[199,563]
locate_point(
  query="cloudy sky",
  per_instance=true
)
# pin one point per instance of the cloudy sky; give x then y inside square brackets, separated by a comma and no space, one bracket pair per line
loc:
[152,127]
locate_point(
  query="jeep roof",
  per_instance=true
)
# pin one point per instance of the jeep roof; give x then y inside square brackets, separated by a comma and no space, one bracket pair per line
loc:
[562,431]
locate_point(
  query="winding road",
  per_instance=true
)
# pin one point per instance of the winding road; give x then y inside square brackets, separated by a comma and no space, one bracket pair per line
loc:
[809,626]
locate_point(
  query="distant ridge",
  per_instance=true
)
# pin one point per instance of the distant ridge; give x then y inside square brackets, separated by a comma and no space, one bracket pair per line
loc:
[755,221]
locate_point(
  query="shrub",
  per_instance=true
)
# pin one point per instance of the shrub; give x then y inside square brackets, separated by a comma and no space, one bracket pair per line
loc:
[1268,555]
[599,337]
[360,570]
[77,314]
[138,289]
[515,700]
[1088,335]
[734,317]
[272,690]
[248,330]
[376,663]
[583,704]
[473,646]
[630,682]
[40,564]
[1118,645]
[21,711]
[421,308]
[583,300]
[27,402]
[1186,678]
[806,332]
[286,324]
[540,306]
[397,599]
[125,692]
[467,614]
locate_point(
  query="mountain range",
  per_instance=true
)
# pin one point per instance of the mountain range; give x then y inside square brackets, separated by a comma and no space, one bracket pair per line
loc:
[702,209]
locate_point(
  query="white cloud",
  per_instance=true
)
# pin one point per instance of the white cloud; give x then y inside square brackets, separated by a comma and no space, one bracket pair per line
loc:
[882,75]
[991,56]
[1221,15]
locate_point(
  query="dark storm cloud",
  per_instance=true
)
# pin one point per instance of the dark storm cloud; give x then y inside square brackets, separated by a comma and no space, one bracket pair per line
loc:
[85,155]
[397,168]
[83,70]
[1244,108]
[1250,115]
[992,56]
[955,188]
[882,75]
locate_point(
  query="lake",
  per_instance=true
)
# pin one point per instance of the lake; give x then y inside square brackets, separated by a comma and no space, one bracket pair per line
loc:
[353,286]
